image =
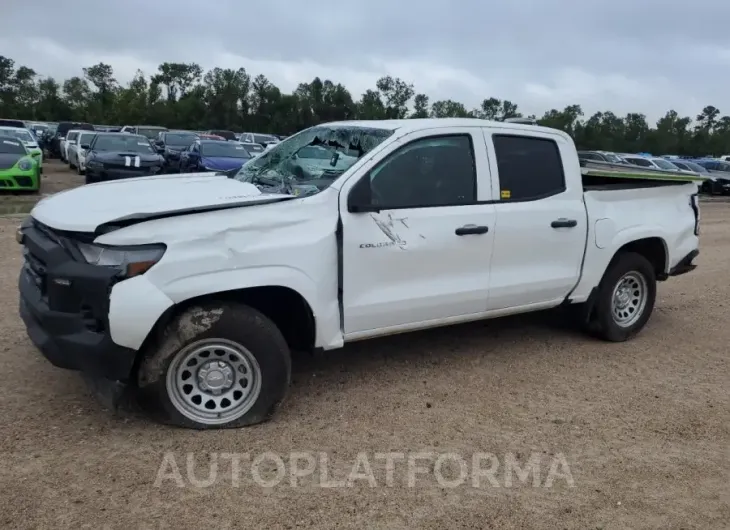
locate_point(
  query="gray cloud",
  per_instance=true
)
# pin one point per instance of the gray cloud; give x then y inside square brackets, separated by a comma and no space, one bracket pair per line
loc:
[646,56]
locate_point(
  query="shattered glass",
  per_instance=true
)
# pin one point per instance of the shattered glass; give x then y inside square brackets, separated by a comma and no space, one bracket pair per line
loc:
[288,167]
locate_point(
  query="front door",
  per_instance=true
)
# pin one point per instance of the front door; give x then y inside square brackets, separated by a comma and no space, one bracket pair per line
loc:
[425,255]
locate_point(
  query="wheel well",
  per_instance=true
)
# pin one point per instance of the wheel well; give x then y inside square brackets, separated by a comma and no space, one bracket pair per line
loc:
[654,250]
[284,306]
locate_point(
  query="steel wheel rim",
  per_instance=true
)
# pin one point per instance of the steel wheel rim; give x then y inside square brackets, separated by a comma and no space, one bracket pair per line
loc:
[629,299]
[214,381]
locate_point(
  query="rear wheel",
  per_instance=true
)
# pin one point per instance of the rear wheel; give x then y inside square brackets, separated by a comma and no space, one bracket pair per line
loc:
[626,297]
[216,366]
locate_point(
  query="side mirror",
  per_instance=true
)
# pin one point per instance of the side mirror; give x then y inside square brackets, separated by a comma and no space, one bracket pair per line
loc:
[360,198]
[85,146]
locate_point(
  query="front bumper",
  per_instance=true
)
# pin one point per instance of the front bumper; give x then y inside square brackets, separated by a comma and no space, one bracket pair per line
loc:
[25,181]
[64,304]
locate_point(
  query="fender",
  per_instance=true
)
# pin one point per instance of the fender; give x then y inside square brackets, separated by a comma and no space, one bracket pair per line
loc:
[635,233]
[131,322]
[607,243]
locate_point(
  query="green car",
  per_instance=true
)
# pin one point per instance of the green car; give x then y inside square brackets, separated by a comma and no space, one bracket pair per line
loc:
[30,143]
[19,171]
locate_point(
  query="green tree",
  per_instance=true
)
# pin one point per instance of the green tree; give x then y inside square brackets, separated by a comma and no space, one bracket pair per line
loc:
[182,95]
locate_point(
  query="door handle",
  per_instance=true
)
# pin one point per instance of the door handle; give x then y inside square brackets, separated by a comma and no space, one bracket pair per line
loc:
[471,229]
[564,223]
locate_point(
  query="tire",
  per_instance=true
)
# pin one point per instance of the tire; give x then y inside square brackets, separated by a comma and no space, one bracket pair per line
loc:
[613,319]
[171,382]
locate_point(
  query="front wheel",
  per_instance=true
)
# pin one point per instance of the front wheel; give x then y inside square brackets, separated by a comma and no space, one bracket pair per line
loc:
[220,365]
[626,297]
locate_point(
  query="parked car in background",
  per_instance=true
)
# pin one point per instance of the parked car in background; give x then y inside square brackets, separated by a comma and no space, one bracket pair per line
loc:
[170,144]
[315,162]
[719,176]
[70,142]
[253,149]
[205,136]
[4,122]
[113,156]
[108,128]
[38,129]
[688,165]
[213,155]
[57,147]
[30,143]
[255,138]
[19,171]
[601,156]
[650,162]
[149,131]
[77,151]
[226,135]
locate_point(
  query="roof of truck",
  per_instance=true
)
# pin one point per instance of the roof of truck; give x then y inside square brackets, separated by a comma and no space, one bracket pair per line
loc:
[417,124]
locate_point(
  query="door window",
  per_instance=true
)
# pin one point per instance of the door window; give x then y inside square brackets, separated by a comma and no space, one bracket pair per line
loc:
[530,168]
[434,171]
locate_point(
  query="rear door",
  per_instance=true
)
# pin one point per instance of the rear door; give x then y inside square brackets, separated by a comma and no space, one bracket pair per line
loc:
[424,257]
[541,224]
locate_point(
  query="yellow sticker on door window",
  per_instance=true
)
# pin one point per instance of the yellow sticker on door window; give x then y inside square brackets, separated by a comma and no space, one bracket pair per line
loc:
[506,194]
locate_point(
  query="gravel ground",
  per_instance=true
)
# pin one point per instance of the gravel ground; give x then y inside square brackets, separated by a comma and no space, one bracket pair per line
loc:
[638,433]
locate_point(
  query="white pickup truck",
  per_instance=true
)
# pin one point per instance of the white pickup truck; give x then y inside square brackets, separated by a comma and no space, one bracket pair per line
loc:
[193,289]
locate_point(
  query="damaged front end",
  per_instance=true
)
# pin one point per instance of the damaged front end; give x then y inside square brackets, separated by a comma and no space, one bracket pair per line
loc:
[64,287]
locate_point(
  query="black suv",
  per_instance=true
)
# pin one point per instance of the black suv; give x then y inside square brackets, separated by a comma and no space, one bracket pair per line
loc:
[170,144]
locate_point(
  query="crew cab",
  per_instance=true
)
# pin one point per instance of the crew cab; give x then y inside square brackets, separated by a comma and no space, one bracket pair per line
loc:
[193,289]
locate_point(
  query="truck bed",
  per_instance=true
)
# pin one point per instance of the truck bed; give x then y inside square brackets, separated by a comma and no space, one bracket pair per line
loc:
[604,175]
[602,182]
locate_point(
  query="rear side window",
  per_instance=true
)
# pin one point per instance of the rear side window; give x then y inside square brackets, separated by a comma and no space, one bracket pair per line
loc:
[529,168]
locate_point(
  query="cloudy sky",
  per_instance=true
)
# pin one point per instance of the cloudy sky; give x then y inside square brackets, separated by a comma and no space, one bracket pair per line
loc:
[625,56]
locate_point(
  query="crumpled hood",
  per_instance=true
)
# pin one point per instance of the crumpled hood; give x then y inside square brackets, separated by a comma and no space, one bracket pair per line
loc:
[223,163]
[85,208]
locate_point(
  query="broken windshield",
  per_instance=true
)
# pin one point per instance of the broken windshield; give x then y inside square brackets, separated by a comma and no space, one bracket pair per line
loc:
[311,161]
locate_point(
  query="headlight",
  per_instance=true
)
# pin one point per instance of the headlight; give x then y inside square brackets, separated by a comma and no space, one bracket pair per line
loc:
[131,261]
[25,165]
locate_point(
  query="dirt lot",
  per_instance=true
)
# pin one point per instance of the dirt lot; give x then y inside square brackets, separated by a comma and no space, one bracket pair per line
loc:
[643,427]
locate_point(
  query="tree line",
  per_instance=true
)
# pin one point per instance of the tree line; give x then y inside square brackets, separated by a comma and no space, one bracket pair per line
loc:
[182,95]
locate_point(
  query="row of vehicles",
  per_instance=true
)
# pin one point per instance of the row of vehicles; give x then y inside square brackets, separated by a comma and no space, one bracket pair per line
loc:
[715,171]
[133,151]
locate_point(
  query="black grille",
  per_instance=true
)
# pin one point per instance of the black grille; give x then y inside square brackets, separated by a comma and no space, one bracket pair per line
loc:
[35,269]
[50,234]
[24,182]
